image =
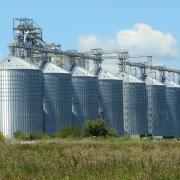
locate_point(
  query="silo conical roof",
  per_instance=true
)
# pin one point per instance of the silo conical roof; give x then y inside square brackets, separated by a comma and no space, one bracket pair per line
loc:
[172,84]
[130,78]
[52,68]
[151,81]
[104,75]
[16,63]
[79,72]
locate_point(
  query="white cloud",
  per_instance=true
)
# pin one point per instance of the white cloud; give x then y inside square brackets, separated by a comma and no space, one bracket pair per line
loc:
[141,39]
[88,42]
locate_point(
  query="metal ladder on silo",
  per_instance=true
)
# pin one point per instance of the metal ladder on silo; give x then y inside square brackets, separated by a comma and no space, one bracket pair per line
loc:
[123,59]
[150,98]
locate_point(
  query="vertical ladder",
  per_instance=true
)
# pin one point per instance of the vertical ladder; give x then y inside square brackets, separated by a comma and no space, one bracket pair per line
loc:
[150,97]
[123,59]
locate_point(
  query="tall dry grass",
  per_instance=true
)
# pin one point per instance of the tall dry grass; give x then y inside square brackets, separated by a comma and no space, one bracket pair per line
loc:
[91,159]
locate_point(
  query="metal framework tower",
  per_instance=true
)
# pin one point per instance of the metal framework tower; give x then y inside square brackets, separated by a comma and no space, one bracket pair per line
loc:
[123,69]
[150,97]
[29,43]
[97,63]
[27,36]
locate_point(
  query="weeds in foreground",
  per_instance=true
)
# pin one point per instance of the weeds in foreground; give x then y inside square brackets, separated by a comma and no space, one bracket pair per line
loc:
[110,158]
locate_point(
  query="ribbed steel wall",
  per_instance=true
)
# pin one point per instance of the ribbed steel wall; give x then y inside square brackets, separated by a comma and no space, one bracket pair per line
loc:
[111,100]
[21,101]
[173,105]
[137,109]
[57,101]
[158,110]
[85,99]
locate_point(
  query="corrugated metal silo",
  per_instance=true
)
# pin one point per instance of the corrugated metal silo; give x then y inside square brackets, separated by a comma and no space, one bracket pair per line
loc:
[57,98]
[85,96]
[173,105]
[157,107]
[20,97]
[111,101]
[135,110]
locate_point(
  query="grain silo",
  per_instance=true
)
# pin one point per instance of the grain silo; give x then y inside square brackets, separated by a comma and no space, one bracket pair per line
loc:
[20,97]
[173,105]
[85,96]
[57,98]
[135,105]
[111,101]
[157,107]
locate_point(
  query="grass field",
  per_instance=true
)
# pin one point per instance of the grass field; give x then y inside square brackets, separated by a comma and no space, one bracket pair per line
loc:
[112,158]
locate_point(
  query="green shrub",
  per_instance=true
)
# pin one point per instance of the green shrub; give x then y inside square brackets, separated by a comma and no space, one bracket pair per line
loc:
[95,128]
[2,138]
[112,132]
[73,131]
[20,135]
[41,136]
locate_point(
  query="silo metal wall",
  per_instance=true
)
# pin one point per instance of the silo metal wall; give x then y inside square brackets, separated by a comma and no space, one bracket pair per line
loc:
[57,101]
[85,99]
[173,105]
[159,110]
[137,109]
[111,100]
[21,101]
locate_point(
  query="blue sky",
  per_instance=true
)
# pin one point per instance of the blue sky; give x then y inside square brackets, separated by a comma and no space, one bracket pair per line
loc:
[64,21]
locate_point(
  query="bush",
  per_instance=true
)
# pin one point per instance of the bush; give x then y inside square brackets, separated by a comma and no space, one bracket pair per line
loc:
[73,131]
[95,128]
[20,135]
[41,136]
[112,132]
[2,138]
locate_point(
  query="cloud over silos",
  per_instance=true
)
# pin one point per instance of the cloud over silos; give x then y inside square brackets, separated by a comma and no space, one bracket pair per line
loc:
[141,39]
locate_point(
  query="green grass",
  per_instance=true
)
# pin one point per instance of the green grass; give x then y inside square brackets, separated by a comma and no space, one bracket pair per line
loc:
[95,158]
